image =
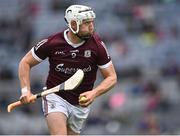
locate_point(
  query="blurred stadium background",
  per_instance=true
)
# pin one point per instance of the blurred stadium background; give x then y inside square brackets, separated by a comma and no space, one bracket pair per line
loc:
[143,38]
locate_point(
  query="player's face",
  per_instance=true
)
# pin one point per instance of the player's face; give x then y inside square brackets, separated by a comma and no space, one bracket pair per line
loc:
[86,29]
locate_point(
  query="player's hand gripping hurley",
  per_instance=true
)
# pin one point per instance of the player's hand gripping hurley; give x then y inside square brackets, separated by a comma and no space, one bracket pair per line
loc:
[70,84]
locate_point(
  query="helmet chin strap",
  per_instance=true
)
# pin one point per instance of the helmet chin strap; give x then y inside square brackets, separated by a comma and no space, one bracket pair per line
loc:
[77,25]
[77,30]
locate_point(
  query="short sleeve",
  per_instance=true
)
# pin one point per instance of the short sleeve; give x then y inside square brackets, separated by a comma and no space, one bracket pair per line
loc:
[40,50]
[104,59]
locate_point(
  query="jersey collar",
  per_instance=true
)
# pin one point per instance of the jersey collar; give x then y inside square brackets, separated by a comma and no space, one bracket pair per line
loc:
[69,42]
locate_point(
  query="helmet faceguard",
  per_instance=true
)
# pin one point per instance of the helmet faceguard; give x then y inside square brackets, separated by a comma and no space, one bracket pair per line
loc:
[78,13]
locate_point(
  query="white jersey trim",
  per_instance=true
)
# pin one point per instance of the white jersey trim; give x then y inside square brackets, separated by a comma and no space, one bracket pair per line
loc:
[69,42]
[35,56]
[105,65]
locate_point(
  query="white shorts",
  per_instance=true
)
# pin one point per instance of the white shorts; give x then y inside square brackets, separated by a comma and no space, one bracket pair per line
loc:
[76,115]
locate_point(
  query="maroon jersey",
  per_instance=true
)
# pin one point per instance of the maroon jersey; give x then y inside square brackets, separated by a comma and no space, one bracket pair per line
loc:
[65,58]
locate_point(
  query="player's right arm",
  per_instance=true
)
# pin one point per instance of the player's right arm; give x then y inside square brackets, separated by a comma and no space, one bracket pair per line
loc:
[25,65]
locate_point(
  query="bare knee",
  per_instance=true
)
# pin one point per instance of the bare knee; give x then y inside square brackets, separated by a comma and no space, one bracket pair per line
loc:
[57,123]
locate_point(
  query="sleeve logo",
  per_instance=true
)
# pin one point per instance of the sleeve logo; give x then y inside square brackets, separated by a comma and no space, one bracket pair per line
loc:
[40,43]
[102,43]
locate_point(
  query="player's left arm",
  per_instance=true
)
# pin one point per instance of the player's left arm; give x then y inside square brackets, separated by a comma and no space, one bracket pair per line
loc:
[110,79]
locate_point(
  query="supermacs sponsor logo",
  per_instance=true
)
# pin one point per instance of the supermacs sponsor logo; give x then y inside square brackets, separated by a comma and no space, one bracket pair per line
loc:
[67,70]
